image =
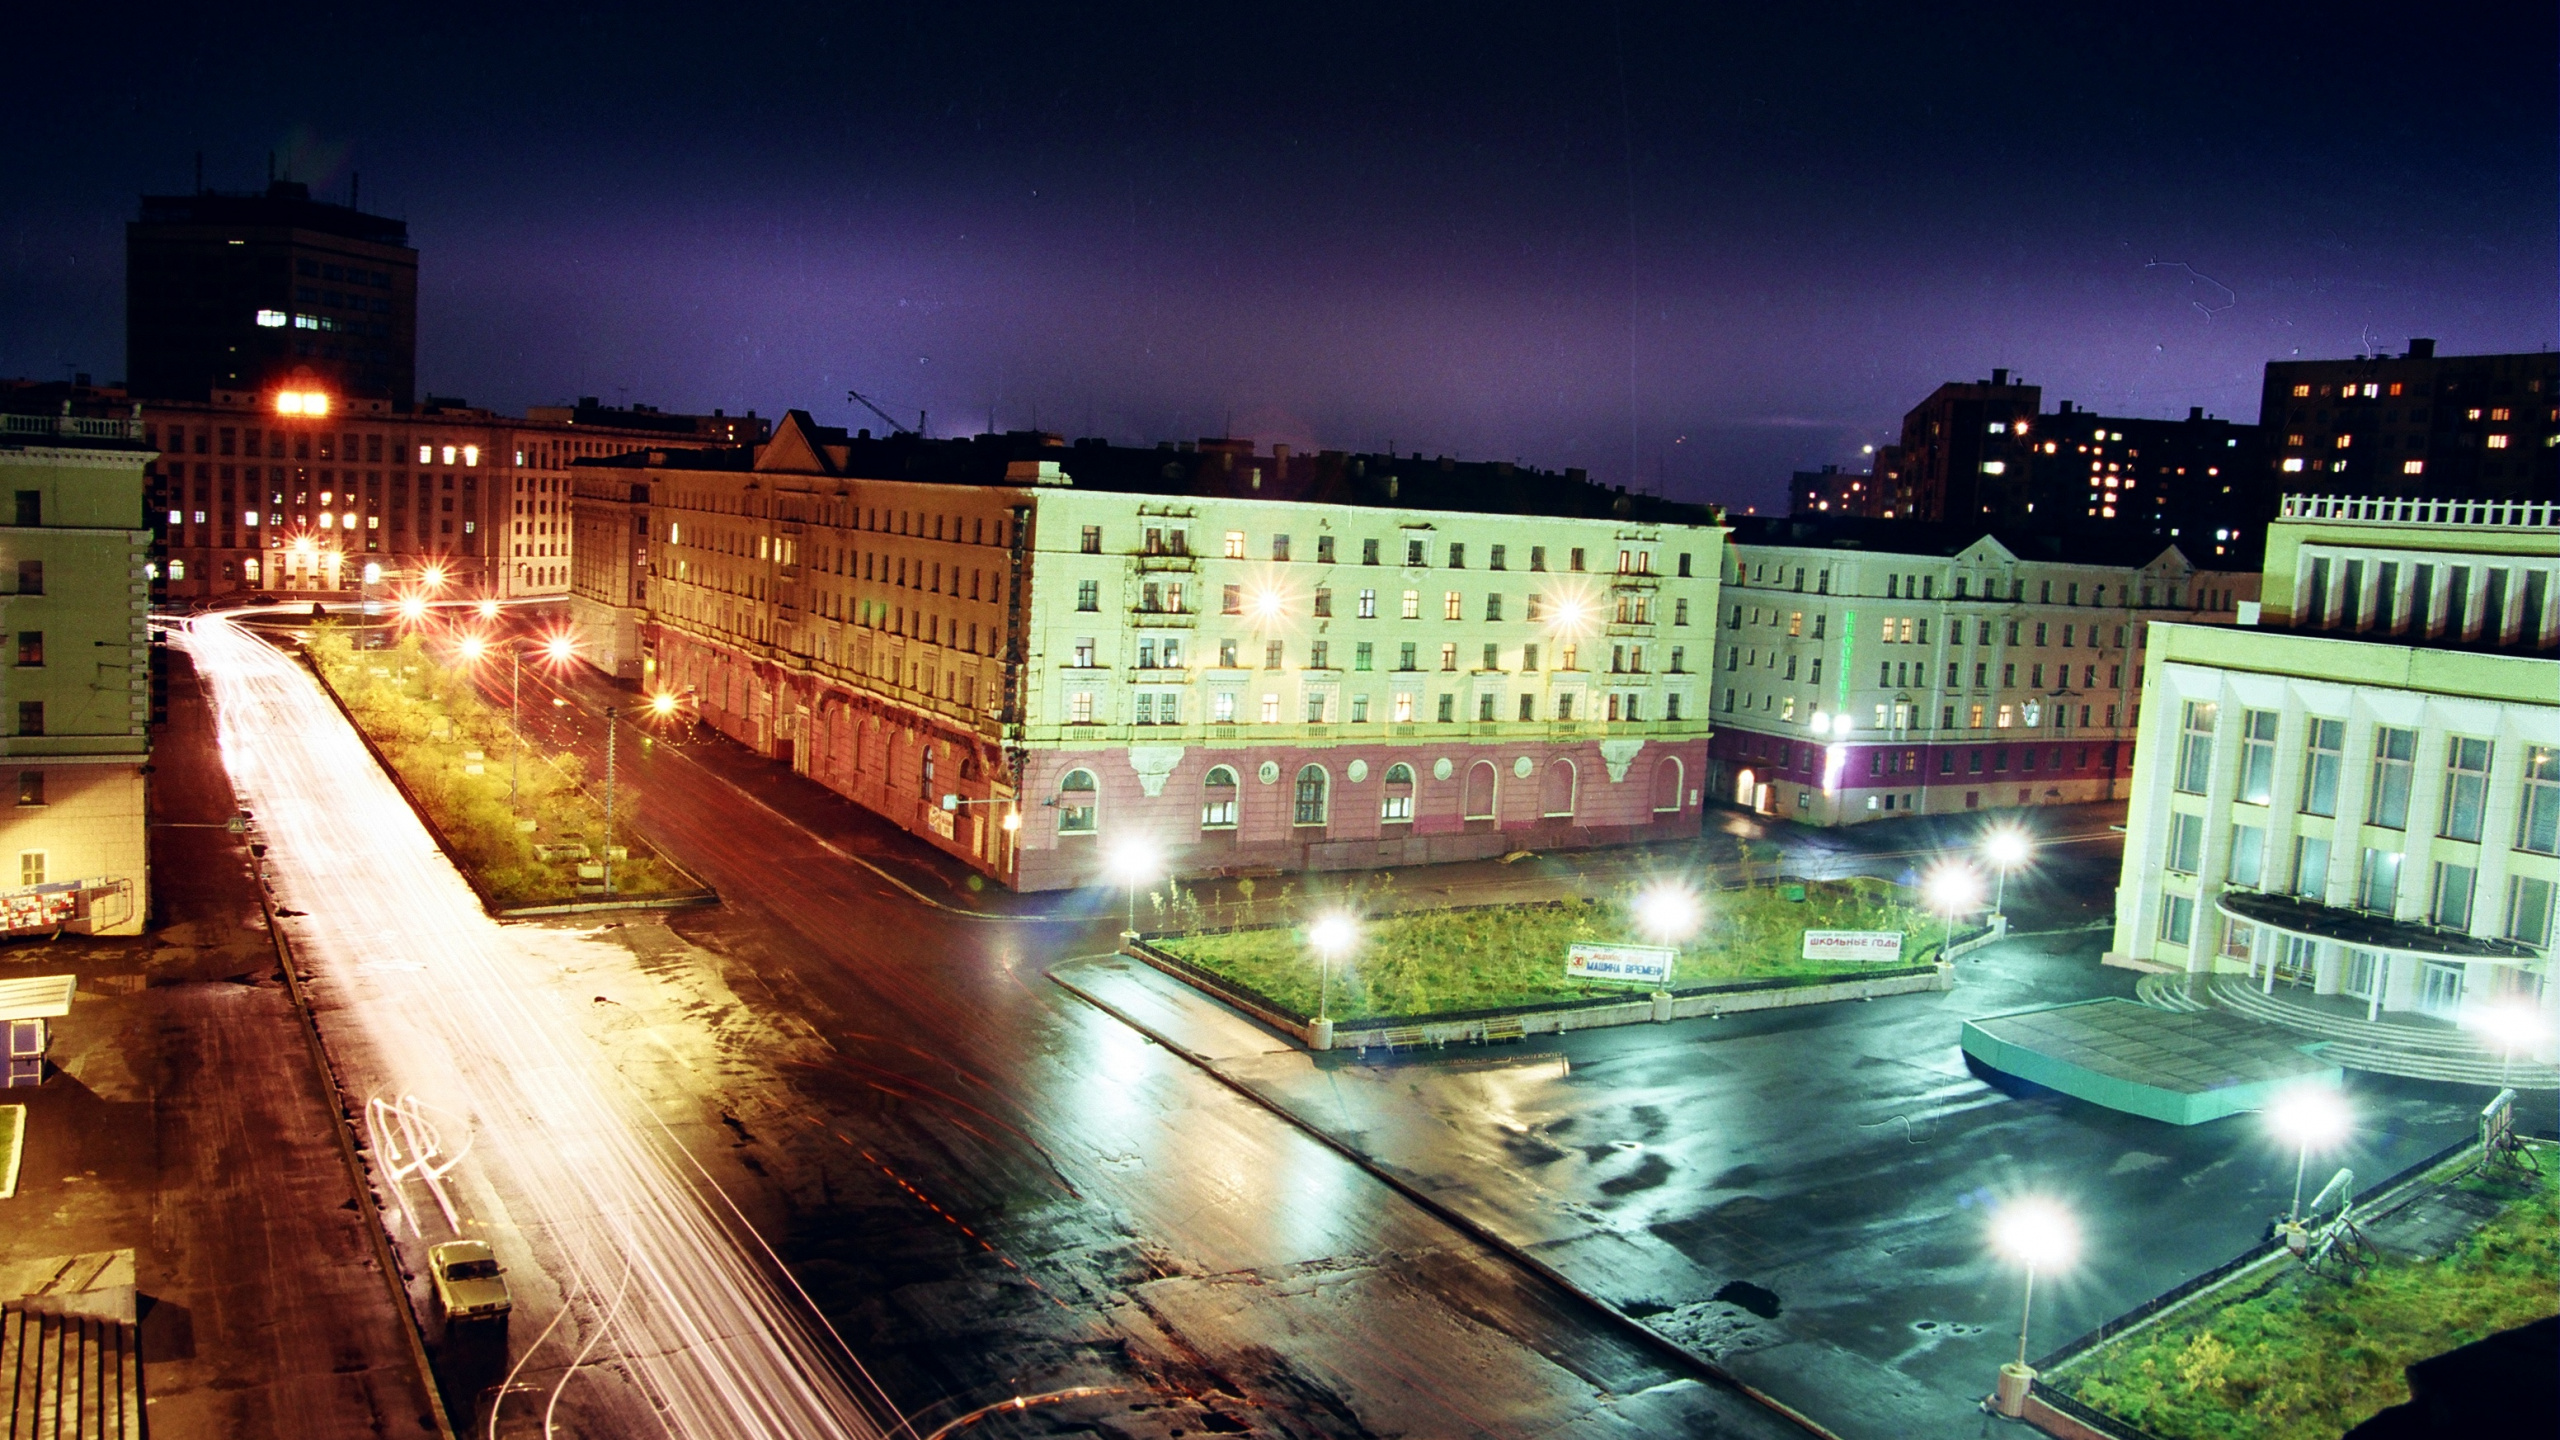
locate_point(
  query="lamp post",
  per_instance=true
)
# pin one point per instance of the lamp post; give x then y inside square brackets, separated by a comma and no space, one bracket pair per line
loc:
[1331,935]
[2006,848]
[367,578]
[1951,888]
[2512,1027]
[2039,1235]
[1134,862]
[609,713]
[2304,1116]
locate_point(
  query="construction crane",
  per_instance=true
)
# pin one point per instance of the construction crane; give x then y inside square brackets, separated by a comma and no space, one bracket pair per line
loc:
[894,426]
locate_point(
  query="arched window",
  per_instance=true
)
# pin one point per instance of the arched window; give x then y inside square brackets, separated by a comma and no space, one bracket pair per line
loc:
[1745,786]
[1480,783]
[1398,801]
[1670,782]
[1556,796]
[1218,799]
[1310,806]
[1076,803]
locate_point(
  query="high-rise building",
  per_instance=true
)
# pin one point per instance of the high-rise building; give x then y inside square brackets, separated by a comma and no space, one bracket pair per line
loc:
[269,292]
[2356,789]
[1866,669]
[2418,423]
[75,671]
[1964,455]
[1056,662]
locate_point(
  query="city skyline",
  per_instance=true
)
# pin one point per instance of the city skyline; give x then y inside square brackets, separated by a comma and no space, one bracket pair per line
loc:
[1698,276]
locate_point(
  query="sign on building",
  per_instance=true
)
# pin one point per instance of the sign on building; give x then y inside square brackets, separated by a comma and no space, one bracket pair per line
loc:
[1639,964]
[1873,945]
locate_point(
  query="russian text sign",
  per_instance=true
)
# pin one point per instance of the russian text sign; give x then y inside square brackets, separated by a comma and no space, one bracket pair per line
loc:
[1642,964]
[1874,945]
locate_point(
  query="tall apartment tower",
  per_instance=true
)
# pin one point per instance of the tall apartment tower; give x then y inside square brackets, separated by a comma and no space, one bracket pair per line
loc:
[2480,427]
[254,293]
[1964,456]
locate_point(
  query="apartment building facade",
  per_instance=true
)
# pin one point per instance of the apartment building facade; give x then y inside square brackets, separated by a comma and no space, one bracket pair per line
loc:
[75,674]
[1871,669]
[1223,665]
[2360,792]
[2417,423]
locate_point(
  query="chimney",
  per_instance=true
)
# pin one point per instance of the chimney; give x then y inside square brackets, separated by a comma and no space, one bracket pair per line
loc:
[2065,410]
[2000,376]
[2195,412]
[2422,347]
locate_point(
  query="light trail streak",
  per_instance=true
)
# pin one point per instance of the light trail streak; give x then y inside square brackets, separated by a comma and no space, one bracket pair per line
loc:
[574,1171]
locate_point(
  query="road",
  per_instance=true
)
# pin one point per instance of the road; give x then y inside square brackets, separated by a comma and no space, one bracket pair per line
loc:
[654,1312]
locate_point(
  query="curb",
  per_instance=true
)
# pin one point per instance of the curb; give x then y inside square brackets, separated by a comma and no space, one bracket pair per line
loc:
[1644,1335]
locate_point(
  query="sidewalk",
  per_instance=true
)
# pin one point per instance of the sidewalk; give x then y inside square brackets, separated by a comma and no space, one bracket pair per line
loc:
[186,1124]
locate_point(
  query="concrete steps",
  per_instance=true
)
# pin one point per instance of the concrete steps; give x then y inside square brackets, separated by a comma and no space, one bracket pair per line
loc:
[68,1377]
[2421,1053]
[2168,992]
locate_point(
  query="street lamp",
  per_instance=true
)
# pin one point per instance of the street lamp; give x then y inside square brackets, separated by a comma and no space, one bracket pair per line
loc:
[1667,912]
[1331,936]
[1952,888]
[1135,864]
[2006,848]
[488,609]
[2512,1027]
[2306,1115]
[370,576]
[2038,1234]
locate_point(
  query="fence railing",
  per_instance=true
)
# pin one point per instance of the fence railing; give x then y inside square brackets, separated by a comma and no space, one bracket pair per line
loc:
[2424,510]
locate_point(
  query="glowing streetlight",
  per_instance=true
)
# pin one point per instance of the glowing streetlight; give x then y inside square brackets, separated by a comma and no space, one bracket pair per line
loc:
[2305,1116]
[434,577]
[1331,935]
[559,648]
[662,704]
[1135,864]
[488,609]
[1267,604]
[413,608]
[2006,848]
[1667,912]
[471,648]
[1571,614]
[2038,1234]
[2511,1027]
[1952,888]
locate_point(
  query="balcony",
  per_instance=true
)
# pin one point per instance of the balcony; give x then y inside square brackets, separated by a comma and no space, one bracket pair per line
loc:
[1165,562]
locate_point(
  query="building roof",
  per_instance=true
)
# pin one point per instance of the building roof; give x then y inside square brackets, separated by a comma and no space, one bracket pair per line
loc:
[2363,930]
[1213,468]
[1947,540]
[285,204]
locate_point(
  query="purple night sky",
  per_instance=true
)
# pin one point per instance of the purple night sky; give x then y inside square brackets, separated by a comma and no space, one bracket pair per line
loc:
[1693,248]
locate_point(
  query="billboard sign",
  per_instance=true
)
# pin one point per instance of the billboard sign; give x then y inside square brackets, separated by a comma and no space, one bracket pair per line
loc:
[1883,946]
[1635,964]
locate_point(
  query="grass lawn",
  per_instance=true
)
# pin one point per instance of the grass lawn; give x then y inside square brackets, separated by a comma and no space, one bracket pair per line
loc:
[2312,1358]
[427,720]
[1435,961]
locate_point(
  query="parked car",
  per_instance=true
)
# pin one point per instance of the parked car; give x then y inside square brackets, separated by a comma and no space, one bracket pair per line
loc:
[470,1284]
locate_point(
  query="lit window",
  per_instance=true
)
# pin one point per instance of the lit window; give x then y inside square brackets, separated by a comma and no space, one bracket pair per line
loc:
[1995,467]
[2497,442]
[2301,390]
[426,454]
[271,319]
[1235,545]
[2293,465]
[470,454]
[2413,467]
[2501,413]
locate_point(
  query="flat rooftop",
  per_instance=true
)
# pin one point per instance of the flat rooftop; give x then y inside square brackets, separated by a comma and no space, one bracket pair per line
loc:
[2179,1066]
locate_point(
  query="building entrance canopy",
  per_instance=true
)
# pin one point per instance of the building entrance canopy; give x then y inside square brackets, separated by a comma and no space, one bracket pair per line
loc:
[2292,915]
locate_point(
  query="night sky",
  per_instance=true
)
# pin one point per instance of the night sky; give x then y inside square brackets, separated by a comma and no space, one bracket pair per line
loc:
[1695,247]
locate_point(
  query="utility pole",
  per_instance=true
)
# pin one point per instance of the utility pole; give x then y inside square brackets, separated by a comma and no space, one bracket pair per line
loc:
[515,725]
[609,715]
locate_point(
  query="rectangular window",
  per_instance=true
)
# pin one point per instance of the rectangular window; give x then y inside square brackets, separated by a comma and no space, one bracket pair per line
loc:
[1497,560]
[2248,856]
[1362,654]
[1448,709]
[1537,557]
[2538,808]
[2466,788]
[1234,549]
[1450,606]
[1404,657]
[1324,602]
[2177,918]
[2393,750]
[1484,707]
[1092,540]
[1279,547]
[1412,605]
[1270,709]
[2195,746]
[2324,746]
[1368,552]
[1402,711]
[31,576]
[1222,707]
[31,647]
[1324,549]
[1319,653]
[1493,607]
[1368,604]
[1359,709]
[1084,652]
[2451,907]
[1457,556]
[1227,654]
[1089,594]
[2378,881]
[1529,657]
[1079,707]
[1449,657]
[30,787]
[2311,867]
[1271,654]
[30,717]
[1231,600]
[30,867]
[1413,554]
[1573,558]
[2257,755]
[2186,843]
[2529,910]
[1492,657]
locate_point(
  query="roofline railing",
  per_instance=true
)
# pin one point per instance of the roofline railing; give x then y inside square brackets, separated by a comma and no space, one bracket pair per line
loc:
[74,427]
[2424,510]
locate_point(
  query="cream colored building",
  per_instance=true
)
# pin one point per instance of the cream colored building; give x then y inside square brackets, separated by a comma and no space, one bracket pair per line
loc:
[75,674]
[2357,789]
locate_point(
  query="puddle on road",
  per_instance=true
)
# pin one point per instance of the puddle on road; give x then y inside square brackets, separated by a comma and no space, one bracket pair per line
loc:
[1758,1299]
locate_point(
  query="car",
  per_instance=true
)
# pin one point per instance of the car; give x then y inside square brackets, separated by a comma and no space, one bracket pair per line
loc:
[470,1284]
[262,598]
